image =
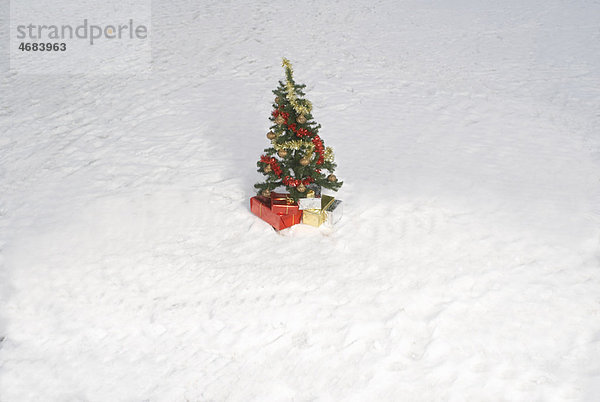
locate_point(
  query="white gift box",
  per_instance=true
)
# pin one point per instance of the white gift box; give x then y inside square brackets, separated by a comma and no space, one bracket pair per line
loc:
[309,203]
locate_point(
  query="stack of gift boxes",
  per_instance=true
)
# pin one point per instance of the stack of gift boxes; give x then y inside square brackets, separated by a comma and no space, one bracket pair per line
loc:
[281,212]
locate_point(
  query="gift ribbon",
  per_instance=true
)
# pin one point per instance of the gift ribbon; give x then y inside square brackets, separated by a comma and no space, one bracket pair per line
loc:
[283,198]
[260,208]
[287,208]
[287,200]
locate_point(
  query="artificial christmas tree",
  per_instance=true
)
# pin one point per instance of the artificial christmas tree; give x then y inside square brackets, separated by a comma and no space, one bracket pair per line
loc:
[297,156]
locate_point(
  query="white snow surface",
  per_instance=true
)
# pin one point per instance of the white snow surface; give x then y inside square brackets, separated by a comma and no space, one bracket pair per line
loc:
[466,266]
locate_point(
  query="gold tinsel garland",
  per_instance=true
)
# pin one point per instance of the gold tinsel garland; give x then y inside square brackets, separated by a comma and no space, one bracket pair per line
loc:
[300,109]
[291,95]
[310,147]
[328,154]
[294,145]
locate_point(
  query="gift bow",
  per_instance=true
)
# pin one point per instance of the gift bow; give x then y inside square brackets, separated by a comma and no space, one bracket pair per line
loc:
[288,201]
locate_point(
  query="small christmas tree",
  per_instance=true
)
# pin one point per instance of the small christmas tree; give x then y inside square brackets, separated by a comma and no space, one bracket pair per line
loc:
[297,156]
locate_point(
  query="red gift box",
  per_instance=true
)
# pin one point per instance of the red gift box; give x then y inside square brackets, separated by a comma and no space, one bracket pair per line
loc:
[281,204]
[261,207]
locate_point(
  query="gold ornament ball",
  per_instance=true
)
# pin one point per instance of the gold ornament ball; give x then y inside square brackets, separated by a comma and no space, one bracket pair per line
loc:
[267,169]
[279,120]
[266,193]
[301,188]
[332,178]
[304,161]
[301,119]
[277,99]
[271,135]
[282,153]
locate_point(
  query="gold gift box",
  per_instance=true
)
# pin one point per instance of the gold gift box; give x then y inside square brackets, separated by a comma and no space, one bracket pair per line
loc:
[315,217]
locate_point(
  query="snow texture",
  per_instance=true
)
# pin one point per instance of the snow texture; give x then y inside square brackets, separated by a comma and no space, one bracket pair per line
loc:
[467,263]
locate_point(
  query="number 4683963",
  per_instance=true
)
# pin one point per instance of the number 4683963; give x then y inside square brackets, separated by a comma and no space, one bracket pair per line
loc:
[42,47]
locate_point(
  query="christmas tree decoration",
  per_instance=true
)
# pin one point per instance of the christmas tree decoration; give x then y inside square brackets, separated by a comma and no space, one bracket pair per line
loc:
[267,169]
[295,138]
[314,191]
[328,154]
[266,193]
[290,88]
[279,120]
[294,145]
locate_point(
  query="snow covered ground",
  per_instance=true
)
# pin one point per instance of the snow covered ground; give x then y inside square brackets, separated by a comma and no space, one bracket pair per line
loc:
[466,267]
